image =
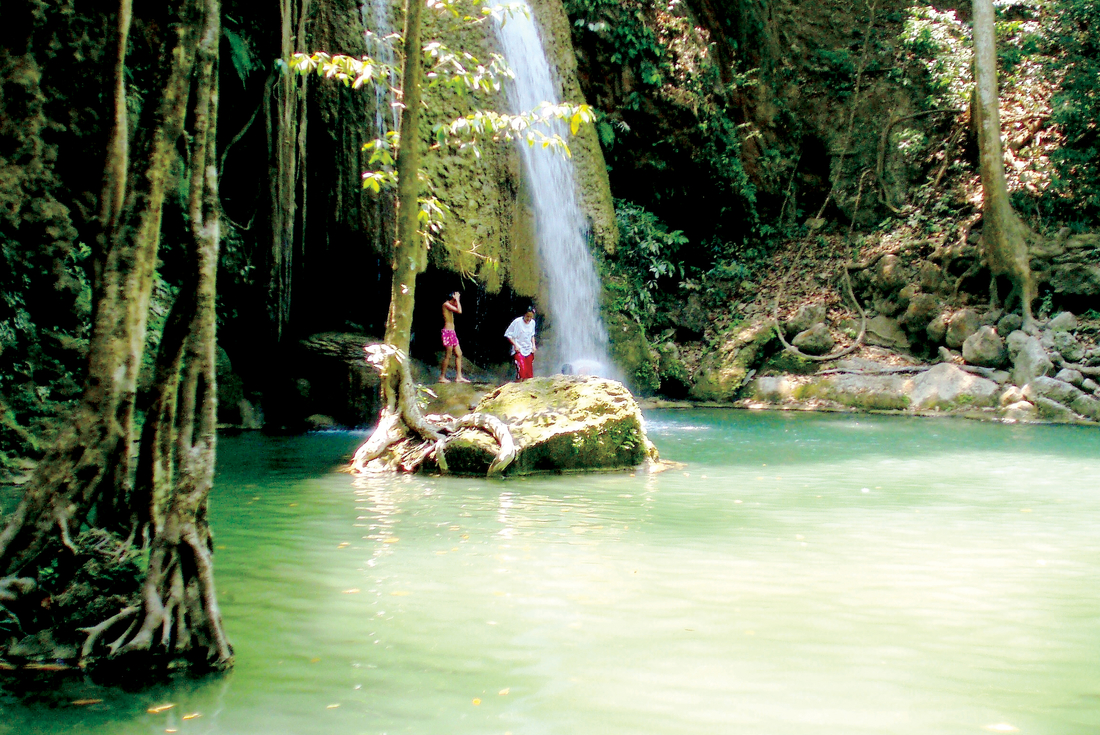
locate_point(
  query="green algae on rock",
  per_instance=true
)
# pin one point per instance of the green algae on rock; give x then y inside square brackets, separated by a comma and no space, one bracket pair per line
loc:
[564,422]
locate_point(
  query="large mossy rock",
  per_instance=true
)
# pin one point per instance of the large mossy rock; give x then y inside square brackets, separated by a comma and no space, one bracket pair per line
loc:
[633,354]
[724,371]
[563,422]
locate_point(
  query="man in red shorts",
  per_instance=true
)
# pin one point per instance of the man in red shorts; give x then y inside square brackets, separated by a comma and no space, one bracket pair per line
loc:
[521,334]
[452,306]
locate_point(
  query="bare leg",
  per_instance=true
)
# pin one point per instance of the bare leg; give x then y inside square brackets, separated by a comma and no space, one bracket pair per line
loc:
[458,366]
[443,367]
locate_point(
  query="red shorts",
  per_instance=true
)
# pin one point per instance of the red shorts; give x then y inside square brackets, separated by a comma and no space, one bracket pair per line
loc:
[450,339]
[525,365]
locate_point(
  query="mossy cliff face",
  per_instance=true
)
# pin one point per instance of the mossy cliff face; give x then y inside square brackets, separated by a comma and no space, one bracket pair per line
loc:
[558,423]
[489,232]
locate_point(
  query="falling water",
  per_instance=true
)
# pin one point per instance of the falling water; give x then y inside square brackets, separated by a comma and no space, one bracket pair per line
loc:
[560,227]
[377,26]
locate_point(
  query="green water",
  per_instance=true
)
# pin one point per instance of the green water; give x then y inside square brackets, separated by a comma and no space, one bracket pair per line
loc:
[801,574]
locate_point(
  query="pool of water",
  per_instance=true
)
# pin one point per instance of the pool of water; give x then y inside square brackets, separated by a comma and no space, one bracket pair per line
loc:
[800,574]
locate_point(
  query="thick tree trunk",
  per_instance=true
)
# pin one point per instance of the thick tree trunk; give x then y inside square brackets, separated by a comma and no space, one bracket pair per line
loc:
[90,457]
[1004,236]
[177,616]
[180,611]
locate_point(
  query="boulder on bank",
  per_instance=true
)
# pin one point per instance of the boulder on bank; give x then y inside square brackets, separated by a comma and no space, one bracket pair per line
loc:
[943,387]
[563,422]
[723,371]
[961,325]
[984,348]
[814,341]
[1029,359]
[806,317]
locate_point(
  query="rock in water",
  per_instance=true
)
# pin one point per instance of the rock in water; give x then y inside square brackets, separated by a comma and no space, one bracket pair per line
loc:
[563,422]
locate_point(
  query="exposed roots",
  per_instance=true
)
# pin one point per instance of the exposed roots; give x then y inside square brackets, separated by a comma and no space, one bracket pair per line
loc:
[832,355]
[180,618]
[412,438]
[409,453]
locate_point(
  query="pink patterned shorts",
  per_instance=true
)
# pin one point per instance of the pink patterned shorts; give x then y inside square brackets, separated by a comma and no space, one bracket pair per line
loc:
[450,339]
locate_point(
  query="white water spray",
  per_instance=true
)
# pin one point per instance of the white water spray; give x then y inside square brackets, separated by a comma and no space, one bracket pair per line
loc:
[375,15]
[560,227]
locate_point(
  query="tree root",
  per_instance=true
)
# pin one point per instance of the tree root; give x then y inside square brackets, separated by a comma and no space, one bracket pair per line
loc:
[434,447]
[426,436]
[98,630]
[880,164]
[833,355]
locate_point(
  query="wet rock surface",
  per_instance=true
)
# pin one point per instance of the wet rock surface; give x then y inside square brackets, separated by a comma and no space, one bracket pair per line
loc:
[558,423]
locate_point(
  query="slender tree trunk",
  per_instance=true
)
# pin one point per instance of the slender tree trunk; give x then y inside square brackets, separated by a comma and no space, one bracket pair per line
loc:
[1004,235]
[400,412]
[286,144]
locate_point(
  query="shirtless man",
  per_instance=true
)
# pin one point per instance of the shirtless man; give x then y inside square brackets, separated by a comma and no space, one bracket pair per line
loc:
[452,306]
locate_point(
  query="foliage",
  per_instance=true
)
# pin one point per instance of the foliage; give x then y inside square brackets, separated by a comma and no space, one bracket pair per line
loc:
[940,42]
[461,72]
[1075,188]
[45,303]
[646,263]
[624,25]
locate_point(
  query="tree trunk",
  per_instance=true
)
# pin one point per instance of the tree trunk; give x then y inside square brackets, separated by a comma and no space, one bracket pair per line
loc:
[91,455]
[1004,235]
[400,411]
[177,616]
[286,163]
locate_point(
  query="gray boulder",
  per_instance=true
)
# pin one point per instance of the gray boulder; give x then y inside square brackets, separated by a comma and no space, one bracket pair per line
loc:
[1012,394]
[922,309]
[906,294]
[962,324]
[724,370]
[1014,342]
[1053,389]
[1089,385]
[985,348]
[889,275]
[947,386]
[814,341]
[937,329]
[1008,324]
[1063,322]
[1068,346]
[1020,411]
[886,332]
[1031,360]
[931,277]
[1053,411]
[1087,406]
[807,316]
[1073,377]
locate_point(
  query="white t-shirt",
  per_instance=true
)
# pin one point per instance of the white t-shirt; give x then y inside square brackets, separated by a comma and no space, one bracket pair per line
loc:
[523,334]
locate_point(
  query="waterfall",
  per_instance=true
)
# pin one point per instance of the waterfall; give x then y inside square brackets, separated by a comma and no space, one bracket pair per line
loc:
[561,230]
[376,26]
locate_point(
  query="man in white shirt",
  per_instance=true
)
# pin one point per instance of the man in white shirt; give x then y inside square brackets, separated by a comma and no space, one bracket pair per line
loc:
[521,333]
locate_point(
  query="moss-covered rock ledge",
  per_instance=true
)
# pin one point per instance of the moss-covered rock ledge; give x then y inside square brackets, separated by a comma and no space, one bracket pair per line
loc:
[559,423]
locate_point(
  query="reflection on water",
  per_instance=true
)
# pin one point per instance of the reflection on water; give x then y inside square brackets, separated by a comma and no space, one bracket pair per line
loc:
[802,573]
